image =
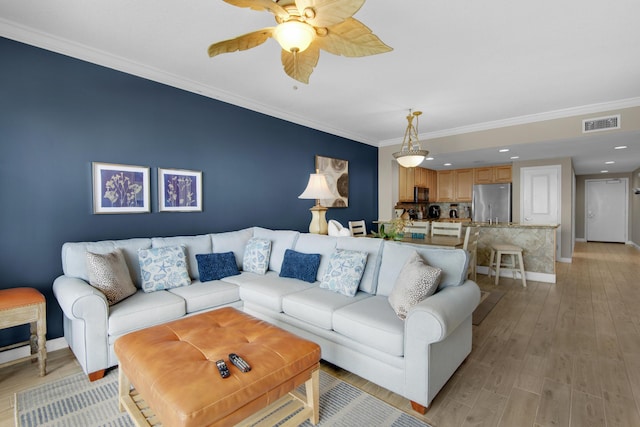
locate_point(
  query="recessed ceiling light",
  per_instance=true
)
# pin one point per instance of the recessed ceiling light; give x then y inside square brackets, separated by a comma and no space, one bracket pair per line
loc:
[604,171]
[503,150]
[514,157]
[447,164]
[429,158]
[620,147]
[610,162]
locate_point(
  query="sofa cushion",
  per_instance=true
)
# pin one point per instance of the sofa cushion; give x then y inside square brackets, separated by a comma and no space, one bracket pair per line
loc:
[415,282]
[74,262]
[318,244]
[453,263]
[301,266]
[266,290]
[109,274]
[193,245]
[371,246]
[317,305]
[256,255]
[234,241]
[371,322]
[202,296]
[281,240]
[163,268]
[142,310]
[344,272]
[216,266]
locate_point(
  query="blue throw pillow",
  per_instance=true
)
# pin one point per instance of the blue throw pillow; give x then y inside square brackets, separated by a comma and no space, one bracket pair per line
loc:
[298,265]
[216,266]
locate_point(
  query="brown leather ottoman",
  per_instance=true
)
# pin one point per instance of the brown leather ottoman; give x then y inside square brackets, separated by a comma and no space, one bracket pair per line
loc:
[172,366]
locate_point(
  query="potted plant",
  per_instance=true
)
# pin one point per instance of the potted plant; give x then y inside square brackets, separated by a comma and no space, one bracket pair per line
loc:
[393,229]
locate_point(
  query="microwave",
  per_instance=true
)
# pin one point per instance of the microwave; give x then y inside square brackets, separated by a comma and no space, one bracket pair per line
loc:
[420,194]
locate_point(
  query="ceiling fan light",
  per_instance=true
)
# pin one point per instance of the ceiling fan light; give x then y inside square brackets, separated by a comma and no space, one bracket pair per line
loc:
[294,36]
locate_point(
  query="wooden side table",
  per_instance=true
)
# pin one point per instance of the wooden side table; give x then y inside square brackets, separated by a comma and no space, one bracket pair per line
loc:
[19,306]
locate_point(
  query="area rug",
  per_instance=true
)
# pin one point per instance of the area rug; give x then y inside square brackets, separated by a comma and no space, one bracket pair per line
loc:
[488,300]
[74,402]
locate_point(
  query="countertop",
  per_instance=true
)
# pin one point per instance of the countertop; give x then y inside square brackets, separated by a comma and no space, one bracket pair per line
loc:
[512,225]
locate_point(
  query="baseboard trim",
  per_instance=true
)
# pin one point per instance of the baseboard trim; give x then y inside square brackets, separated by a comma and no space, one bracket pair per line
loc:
[630,243]
[20,352]
[529,275]
[565,260]
[580,239]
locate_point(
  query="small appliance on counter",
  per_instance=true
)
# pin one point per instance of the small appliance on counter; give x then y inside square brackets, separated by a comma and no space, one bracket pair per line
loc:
[434,212]
[453,213]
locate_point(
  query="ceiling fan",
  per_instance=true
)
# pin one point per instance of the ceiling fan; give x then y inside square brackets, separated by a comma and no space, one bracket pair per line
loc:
[303,28]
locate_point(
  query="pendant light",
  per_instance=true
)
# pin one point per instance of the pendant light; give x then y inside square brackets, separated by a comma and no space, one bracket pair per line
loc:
[410,154]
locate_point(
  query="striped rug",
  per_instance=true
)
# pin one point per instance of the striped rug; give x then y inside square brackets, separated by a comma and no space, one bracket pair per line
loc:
[75,402]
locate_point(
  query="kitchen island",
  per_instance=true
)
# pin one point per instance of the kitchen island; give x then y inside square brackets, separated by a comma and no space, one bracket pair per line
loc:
[538,242]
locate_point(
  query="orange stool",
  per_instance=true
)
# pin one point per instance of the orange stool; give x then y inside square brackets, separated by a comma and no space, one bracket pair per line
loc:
[19,306]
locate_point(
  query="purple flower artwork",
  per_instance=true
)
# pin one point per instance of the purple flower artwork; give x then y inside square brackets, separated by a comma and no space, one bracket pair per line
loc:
[179,190]
[122,189]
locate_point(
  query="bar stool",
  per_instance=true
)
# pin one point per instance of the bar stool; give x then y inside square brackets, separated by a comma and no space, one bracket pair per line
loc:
[19,306]
[514,251]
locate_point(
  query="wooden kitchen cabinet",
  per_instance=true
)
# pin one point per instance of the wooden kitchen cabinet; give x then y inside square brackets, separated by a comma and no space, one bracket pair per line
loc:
[492,174]
[415,177]
[503,173]
[463,185]
[455,185]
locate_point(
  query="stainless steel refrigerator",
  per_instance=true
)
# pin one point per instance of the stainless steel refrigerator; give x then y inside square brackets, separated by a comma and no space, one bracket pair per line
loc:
[491,203]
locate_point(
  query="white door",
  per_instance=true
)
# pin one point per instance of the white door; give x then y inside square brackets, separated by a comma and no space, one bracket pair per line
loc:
[606,210]
[540,195]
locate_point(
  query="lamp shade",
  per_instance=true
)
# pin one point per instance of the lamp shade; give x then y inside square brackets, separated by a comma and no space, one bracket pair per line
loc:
[294,36]
[317,188]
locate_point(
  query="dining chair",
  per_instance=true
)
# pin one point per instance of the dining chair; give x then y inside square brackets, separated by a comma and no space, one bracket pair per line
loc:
[471,245]
[358,228]
[453,229]
[419,227]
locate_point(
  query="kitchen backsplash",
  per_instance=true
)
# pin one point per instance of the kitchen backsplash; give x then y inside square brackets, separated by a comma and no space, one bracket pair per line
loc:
[463,209]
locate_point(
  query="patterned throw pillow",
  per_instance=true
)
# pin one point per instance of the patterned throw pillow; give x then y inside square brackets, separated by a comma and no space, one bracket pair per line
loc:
[109,274]
[416,282]
[344,271]
[298,265]
[216,266]
[163,268]
[256,255]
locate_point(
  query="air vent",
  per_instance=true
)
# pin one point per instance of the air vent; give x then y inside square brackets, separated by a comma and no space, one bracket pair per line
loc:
[601,123]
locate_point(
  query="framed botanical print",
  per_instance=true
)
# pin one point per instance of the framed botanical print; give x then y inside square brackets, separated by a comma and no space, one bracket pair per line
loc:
[337,174]
[120,188]
[179,190]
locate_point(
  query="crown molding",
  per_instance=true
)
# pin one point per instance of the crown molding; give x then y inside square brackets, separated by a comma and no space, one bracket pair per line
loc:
[86,53]
[523,120]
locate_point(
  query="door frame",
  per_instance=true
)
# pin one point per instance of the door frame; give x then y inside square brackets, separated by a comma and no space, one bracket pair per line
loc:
[625,181]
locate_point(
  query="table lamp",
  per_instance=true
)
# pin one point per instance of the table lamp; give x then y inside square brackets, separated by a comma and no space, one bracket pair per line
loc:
[317,188]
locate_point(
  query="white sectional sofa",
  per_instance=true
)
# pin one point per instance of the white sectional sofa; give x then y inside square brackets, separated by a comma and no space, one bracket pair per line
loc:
[414,357]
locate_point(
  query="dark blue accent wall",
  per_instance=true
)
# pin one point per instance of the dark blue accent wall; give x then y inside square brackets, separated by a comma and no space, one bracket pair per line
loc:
[59,114]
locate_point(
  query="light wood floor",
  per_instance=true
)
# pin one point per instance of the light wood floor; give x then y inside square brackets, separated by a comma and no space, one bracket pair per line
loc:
[564,354]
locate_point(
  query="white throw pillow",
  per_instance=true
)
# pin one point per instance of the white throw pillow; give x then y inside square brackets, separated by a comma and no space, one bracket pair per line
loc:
[256,255]
[344,271]
[163,268]
[416,282]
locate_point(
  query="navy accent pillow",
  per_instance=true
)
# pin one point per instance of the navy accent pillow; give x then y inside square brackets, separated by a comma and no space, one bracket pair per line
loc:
[216,266]
[298,265]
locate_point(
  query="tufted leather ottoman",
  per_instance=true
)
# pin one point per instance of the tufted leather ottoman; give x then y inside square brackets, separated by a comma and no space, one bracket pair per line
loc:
[172,367]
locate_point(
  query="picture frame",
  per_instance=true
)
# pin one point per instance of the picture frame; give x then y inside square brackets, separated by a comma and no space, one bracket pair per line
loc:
[337,174]
[179,190]
[120,189]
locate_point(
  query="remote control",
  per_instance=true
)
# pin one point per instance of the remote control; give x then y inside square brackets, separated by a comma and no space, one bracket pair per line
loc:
[239,362]
[222,368]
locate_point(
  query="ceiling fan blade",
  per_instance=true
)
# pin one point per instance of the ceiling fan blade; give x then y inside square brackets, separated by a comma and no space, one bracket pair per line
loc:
[300,65]
[351,38]
[260,5]
[244,42]
[328,12]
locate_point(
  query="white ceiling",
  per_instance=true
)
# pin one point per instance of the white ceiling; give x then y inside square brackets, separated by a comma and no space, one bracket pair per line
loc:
[466,64]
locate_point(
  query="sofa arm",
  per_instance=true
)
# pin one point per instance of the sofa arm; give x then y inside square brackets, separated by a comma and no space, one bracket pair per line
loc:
[80,300]
[433,319]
